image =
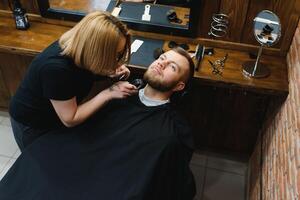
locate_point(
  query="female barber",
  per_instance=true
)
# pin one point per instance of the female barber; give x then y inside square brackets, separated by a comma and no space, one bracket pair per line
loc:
[57,80]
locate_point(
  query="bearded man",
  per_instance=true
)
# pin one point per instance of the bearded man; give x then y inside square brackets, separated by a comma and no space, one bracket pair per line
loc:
[133,149]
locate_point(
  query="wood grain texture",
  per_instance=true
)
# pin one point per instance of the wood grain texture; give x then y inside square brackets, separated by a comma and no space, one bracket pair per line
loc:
[209,7]
[82,5]
[225,119]
[31,41]
[4,5]
[13,68]
[31,6]
[213,43]
[289,33]
[241,12]
[4,93]
[40,35]
[232,73]
[235,9]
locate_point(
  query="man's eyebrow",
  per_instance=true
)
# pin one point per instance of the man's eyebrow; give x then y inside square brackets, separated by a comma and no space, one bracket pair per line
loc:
[163,55]
[171,61]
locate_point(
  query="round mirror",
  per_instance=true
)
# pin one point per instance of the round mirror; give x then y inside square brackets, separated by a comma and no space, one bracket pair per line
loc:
[267,31]
[267,28]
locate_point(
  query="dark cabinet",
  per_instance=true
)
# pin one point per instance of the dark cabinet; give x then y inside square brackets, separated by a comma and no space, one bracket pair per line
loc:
[12,70]
[227,119]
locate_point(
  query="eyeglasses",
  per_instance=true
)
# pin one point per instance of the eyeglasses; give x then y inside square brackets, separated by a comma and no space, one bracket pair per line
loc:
[173,44]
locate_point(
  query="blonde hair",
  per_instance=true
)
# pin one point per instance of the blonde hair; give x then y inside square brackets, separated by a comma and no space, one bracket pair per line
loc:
[93,43]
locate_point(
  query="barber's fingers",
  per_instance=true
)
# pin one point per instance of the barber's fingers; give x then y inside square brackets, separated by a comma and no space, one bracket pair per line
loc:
[125,85]
[125,94]
[122,89]
[122,72]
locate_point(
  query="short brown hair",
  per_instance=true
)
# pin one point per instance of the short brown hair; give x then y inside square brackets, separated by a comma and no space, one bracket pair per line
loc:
[93,43]
[185,54]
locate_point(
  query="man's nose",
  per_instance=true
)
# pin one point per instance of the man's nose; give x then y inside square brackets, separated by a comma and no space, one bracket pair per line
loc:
[163,63]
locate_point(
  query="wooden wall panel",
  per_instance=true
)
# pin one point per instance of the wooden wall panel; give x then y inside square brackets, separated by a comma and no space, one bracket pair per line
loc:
[237,12]
[289,32]
[4,5]
[241,12]
[13,68]
[31,6]
[225,119]
[282,8]
[4,97]
[209,7]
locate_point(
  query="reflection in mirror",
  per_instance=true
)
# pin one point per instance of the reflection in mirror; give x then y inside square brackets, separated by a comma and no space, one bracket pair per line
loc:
[267,28]
[84,6]
[149,16]
[92,5]
[184,3]
[167,16]
[267,31]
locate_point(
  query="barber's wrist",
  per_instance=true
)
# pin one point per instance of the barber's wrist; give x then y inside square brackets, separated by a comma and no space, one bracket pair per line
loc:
[107,94]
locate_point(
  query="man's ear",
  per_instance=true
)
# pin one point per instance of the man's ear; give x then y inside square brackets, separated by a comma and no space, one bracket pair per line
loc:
[179,86]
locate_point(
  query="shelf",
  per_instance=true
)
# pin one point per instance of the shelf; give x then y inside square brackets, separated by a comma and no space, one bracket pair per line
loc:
[40,35]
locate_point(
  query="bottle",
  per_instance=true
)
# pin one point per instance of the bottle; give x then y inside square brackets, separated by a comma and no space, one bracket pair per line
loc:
[20,16]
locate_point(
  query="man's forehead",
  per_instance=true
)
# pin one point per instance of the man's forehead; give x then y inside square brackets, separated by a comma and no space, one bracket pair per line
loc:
[172,54]
[177,58]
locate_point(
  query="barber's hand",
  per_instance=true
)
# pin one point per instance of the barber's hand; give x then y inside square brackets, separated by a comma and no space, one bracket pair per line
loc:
[121,89]
[122,73]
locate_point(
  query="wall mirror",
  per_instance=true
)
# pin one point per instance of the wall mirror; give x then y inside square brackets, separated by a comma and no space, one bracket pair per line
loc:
[174,17]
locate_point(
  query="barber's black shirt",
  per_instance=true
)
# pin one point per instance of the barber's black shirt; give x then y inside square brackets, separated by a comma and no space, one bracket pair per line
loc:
[50,76]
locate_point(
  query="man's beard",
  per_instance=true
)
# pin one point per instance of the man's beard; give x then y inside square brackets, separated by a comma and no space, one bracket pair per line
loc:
[157,84]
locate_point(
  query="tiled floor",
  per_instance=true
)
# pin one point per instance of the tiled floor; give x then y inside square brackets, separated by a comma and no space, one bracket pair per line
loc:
[9,150]
[216,178]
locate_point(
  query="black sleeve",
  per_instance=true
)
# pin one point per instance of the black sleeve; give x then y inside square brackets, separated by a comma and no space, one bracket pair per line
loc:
[184,132]
[58,83]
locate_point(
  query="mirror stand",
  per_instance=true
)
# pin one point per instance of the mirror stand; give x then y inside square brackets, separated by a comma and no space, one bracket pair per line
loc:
[256,69]
[267,31]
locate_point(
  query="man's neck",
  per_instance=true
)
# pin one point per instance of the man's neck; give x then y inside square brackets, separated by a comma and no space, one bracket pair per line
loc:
[155,94]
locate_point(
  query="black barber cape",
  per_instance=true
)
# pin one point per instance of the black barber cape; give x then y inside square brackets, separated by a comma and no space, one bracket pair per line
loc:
[127,151]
